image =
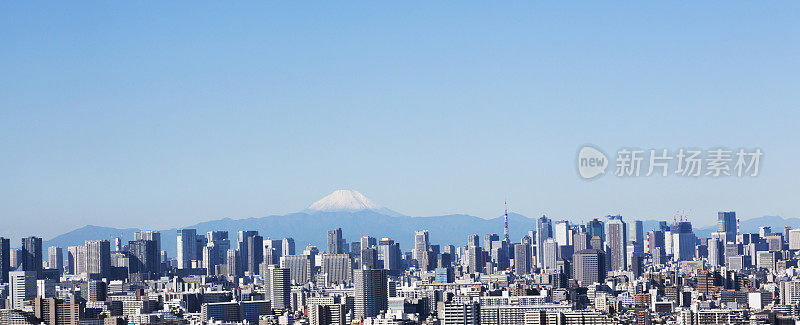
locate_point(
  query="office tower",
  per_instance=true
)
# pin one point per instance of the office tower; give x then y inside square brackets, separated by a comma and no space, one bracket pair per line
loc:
[488,240]
[287,247]
[522,264]
[5,259]
[234,263]
[32,255]
[590,266]
[76,259]
[473,241]
[369,258]
[726,223]
[337,268]
[421,243]
[763,231]
[98,258]
[301,268]
[595,228]
[637,235]
[187,247]
[355,248]
[655,238]
[55,258]
[149,235]
[544,230]
[474,259]
[276,245]
[55,311]
[93,290]
[390,255]
[683,241]
[616,249]
[255,253]
[549,254]
[144,258]
[580,241]
[367,242]
[335,241]
[22,287]
[216,250]
[277,283]
[444,275]
[715,252]
[794,239]
[243,237]
[562,233]
[371,296]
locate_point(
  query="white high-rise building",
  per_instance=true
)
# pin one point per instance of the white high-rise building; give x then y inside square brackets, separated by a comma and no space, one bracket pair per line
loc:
[794,239]
[22,287]
[421,244]
[562,233]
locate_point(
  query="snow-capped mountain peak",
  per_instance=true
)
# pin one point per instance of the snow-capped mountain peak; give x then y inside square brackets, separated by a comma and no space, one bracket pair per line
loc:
[348,201]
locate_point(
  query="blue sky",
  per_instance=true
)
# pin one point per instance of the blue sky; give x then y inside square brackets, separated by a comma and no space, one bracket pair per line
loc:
[158,115]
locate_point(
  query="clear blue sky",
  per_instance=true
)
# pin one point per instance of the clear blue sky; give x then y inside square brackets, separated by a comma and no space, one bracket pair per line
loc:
[164,114]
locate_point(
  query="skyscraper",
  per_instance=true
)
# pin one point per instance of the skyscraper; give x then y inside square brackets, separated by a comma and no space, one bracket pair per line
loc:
[255,253]
[421,243]
[301,268]
[337,268]
[522,263]
[371,295]
[278,286]
[55,258]
[726,222]
[389,254]
[590,266]
[234,263]
[335,241]
[216,250]
[149,235]
[367,242]
[637,235]
[32,255]
[562,233]
[595,228]
[683,241]
[144,258]
[98,258]
[716,252]
[549,254]
[187,247]
[22,287]
[76,259]
[544,230]
[287,246]
[616,249]
[580,240]
[5,259]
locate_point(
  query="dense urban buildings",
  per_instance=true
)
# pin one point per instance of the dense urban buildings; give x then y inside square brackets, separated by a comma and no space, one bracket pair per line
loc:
[562,272]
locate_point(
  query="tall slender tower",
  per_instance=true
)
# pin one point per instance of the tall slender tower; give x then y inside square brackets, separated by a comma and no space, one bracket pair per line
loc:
[505,223]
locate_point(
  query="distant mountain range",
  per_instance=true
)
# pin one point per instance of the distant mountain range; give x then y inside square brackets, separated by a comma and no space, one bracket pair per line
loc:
[358,216]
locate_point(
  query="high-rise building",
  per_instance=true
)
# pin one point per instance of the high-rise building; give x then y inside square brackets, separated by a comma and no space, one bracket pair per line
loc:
[55,311]
[794,239]
[595,228]
[287,247]
[474,259]
[389,254]
[421,244]
[243,239]
[370,290]
[55,258]
[473,241]
[277,283]
[726,223]
[255,253]
[22,287]
[580,241]
[144,258]
[549,254]
[544,230]
[522,263]
[562,233]
[98,258]
[715,252]
[5,259]
[216,250]
[637,234]
[616,249]
[367,242]
[153,235]
[369,258]
[187,248]
[301,268]
[590,266]
[337,268]
[32,255]
[683,241]
[335,241]
[76,259]
[234,263]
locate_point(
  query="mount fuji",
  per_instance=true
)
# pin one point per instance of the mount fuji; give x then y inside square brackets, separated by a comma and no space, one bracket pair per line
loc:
[348,201]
